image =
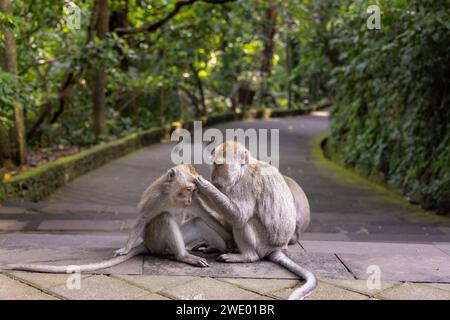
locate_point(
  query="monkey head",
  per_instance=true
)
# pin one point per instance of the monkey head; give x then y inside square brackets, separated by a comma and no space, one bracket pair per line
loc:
[180,183]
[229,164]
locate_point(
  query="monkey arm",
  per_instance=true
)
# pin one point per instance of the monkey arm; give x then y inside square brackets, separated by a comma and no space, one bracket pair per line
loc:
[199,210]
[133,238]
[225,206]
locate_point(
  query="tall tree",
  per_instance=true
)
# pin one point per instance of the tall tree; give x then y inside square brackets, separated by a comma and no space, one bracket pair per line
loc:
[99,74]
[269,31]
[13,144]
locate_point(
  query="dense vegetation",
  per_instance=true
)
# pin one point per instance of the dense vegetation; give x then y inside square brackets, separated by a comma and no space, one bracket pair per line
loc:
[132,65]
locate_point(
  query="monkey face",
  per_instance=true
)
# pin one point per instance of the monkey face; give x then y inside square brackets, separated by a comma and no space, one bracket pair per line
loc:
[229,164]
[225,174]
[184,195]
[181,186]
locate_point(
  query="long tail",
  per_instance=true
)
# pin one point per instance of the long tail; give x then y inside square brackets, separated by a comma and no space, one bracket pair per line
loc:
[81,268]
[306,289]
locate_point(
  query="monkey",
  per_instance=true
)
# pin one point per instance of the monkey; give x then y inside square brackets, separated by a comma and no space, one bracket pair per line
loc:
[301,207]
[256,200]
[162,210]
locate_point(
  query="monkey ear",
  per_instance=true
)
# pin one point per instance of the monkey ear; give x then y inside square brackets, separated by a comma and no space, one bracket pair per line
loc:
[170,175]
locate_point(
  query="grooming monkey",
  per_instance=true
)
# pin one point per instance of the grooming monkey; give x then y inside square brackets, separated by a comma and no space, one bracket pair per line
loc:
[161,214]
[260,204]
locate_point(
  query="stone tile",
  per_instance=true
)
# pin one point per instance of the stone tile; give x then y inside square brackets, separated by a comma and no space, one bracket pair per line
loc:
[110,240]
[12,225]
[324,236]
[155,283]
[445,247]
[14,290]
[152,296]
[111,225]
[100,288]
[415,291]
[324,291]
[400,267]
[121,209]
[70,256]
[323,265]
[442,286]
[372,248]
[261,286]
[359,285]
[18,205]
[13,210]
[208,289]
[400,237]
[71,207]
[295,248]
[42,280]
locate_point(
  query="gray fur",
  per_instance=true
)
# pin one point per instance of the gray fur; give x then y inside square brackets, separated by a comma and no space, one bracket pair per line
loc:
[257,201]
[163,224]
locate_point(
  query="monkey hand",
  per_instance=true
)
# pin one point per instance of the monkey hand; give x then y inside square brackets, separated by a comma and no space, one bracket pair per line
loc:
[201,183]
[121,252]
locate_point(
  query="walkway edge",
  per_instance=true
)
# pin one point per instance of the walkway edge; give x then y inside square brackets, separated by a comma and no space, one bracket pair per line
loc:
[36,184]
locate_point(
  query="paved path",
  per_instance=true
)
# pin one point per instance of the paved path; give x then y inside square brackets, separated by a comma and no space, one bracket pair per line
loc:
[353,227]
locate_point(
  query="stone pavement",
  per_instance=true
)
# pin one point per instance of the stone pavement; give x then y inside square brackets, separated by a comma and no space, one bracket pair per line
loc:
[353,229]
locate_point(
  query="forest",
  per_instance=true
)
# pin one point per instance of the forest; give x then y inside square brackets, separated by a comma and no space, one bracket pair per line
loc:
[75,74]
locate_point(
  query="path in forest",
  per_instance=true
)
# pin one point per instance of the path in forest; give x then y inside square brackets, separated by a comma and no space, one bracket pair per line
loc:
[353,227]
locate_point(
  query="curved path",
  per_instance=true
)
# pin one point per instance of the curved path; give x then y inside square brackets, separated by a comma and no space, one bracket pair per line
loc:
[354,226]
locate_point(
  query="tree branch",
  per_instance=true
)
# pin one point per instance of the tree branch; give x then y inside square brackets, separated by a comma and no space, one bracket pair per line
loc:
[68,85]
[152,27]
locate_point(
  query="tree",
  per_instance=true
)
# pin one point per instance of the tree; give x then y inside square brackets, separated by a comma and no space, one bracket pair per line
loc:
[99,74]
[13,144]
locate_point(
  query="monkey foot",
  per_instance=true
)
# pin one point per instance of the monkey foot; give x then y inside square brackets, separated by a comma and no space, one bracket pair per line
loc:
[194,260]
[233,257]
[203,247]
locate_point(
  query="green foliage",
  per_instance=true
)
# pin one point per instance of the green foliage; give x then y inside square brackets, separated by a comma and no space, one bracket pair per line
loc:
[392,110]
[389,87]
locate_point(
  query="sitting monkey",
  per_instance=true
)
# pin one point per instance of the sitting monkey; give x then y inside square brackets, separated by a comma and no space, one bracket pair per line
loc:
[261,206]
[161,223]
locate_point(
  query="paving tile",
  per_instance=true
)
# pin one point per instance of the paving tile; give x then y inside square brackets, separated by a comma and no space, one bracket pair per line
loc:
[14,290]
[324,291]
[155,283]
[99,288]
[372,248]
[42,280]
[443,286]
[359,285]
[261,285]
[414,291]
[400,267]
[152,296]
[111,225]
[71,256]
[445,247]
[110,240]
[207,289]
[323,265]
[71,207]
[324,236]
[12,225]
[4,210]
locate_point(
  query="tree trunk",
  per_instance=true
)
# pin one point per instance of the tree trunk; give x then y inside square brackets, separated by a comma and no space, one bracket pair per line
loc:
[99,74]
[201,91]
[13,144]
[269,31]
[269,34]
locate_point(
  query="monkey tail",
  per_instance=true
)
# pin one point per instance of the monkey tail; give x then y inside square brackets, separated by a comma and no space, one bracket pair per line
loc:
[71,268]
[308,287]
